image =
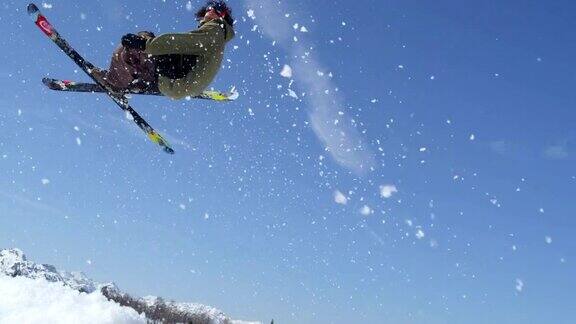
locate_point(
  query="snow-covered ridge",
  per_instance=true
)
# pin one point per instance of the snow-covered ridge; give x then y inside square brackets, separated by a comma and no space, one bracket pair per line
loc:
[13,263]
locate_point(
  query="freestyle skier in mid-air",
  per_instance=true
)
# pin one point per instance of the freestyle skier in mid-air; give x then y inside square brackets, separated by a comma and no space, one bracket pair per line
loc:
[176,64]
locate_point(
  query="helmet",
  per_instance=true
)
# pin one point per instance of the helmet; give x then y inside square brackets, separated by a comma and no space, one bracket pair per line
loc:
[221,9]
[219,5]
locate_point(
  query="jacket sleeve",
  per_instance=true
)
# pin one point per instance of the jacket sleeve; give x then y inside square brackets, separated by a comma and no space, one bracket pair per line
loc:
[198,42]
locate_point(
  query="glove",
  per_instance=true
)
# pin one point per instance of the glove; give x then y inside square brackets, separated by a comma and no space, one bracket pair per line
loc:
[134,41]
[146,34]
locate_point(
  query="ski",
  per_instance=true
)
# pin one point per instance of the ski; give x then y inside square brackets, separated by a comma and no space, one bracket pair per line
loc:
[87,67]
[72,86]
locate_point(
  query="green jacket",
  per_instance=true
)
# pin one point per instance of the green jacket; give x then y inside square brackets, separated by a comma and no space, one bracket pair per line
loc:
[206,43]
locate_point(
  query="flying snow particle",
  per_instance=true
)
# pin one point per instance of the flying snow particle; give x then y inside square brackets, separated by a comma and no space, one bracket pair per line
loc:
[366,210]
[420,234]
[387,191]
[182,206]
[472,137]
[286,71]
[339,198]
[423,149]
[519,285]
[303,29]
[78,141]
[189,6]
[83,16]
[45,181]
[46,5]
[292,94]
[548,239]
[250,14]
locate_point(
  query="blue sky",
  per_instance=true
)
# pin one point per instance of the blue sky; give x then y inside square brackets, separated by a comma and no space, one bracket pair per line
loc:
[465,109]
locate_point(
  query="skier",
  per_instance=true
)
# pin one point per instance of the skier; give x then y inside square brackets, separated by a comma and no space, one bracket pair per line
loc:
[176,64]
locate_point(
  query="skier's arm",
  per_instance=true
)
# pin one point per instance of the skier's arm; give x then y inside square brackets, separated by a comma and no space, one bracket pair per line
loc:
[197,42]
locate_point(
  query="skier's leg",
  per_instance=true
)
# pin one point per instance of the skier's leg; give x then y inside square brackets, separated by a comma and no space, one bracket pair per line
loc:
[130,69]
[144,67]
[145,75]
[120,73]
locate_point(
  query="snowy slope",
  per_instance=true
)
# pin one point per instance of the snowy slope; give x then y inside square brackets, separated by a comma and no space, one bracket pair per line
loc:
[26,300]
[32,291]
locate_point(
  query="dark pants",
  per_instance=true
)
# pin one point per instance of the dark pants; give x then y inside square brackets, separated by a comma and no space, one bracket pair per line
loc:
[132,69]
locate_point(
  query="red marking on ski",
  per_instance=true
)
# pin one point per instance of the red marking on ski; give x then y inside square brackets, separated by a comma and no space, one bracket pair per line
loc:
[45,26]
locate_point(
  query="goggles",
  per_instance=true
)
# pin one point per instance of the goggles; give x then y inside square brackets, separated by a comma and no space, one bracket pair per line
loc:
[219,11]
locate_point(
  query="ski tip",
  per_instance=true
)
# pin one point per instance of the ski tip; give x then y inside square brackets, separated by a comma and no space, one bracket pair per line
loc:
[158,139]
[32,9]
[54,84]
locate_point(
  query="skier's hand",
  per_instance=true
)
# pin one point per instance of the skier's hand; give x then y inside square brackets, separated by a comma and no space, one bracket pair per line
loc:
[134,41]
[148,35]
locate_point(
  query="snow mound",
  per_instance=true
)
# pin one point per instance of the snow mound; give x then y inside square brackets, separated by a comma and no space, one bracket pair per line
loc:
[26,300]
[31,292]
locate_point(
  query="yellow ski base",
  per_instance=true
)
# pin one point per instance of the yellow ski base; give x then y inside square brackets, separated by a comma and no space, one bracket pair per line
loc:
[217,96]
[158,139]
